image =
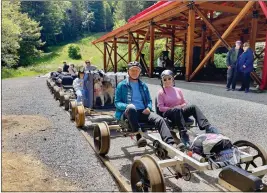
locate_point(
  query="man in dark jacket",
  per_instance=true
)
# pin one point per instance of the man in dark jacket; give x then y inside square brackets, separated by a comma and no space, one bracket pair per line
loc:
[245,66]
[231,61]
[133,102]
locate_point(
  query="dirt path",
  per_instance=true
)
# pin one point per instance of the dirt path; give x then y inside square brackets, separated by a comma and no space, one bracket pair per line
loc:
[24,172]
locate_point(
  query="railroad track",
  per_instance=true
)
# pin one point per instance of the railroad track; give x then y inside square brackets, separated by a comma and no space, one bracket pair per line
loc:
[124,184]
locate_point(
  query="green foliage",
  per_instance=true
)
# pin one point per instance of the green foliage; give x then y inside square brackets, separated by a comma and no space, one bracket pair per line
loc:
[74,52]
[98,8]
[220,60]
[21,36]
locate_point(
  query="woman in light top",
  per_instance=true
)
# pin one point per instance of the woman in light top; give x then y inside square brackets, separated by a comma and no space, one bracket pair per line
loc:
[172,105]
[78,86]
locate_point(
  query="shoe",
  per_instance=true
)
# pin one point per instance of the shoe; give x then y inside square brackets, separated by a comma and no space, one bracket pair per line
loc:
[233,89]
[141,142]
[184,138]
[228,89]
[241,89]
[247,90]
[212,129]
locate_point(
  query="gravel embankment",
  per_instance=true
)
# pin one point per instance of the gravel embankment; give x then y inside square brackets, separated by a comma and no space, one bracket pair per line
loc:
[61,147]
[237,115]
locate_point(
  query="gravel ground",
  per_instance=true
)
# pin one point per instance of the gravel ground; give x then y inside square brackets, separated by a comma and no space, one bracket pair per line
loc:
[61,146]
[237,115]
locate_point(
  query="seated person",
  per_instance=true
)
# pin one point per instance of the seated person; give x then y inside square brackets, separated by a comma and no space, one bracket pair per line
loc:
[57,76]
[168,63]
[65,67]
[172,104]
[72,70]
[78,86]
[160,62]
[88,67]
[133,102]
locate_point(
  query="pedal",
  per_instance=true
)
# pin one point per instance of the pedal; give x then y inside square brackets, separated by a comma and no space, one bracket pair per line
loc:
[234,178]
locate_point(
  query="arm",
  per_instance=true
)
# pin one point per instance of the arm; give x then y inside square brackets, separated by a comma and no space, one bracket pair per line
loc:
[183,102]
[161,106]
[118,99]
[75,84]
[228,58]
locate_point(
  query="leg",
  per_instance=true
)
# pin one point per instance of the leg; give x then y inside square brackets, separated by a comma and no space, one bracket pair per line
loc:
[176,116]
[162,127]
[132,115]
[193,110]
[79,95]
[243,81]
[247,81]
[235,76]
[229,77]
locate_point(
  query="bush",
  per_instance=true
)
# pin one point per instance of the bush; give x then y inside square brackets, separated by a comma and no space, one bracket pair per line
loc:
[220,60]
[74,52]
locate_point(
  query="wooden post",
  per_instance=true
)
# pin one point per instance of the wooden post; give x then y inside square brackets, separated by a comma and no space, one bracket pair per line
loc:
[254,27]
[224,36]
[129,47]
[173,44]
[190,43]
[115,55]
[184,45]
[105,56]
[152,44]
[166,45]
[203,41]
[142,46]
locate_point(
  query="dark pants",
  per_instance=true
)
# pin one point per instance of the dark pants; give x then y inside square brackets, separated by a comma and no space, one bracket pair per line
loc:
[136,116]
[231,77]
[246,81]
[178,116]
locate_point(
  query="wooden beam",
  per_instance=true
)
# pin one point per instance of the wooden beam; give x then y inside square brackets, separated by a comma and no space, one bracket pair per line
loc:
[203,42]
[175,22]
[184,45]
[121,57]
[105,56]
[110,53]
[263,7]
[190,43]
[142,46]
[152,46]
[254,29]
[166,45]
[129,47]
[115,55]
[222,8]
[225,35]
[173,44]
[209,24]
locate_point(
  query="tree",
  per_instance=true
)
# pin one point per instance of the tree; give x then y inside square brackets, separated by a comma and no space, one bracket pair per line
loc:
[10,37]
[108,17]
[97,7]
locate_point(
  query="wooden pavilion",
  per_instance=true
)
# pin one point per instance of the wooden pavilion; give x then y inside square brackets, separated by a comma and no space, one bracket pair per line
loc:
[207,24]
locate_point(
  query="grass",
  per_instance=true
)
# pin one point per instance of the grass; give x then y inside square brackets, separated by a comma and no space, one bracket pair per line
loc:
[50,61]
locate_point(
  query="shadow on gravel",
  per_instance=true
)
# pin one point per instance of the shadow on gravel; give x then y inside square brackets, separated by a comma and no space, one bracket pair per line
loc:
[216,89]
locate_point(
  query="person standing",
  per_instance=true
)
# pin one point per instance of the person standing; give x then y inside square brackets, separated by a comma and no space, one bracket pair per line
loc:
[65,67]
[88,67]
[231,61]
[245,65]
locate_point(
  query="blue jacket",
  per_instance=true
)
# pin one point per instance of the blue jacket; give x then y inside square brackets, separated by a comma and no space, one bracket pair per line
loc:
[247,59]
[123,96]
[229,60]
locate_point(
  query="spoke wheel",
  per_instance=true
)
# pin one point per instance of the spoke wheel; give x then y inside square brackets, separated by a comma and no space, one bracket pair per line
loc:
[258,153]
[79,116]
[102,138]
[146,175]
[66,102]
[61,98]
[72,106]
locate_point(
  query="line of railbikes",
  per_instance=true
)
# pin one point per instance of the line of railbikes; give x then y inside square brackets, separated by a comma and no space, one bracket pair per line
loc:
[241,168]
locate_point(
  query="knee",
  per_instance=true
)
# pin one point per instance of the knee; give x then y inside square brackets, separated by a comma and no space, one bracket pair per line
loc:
[130,107]
[193,106]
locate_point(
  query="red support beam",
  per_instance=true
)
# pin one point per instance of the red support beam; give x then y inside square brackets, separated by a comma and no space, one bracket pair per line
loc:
[264,8]
[264,71]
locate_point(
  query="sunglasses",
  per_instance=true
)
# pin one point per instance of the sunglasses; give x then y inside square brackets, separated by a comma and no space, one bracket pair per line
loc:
[165,79]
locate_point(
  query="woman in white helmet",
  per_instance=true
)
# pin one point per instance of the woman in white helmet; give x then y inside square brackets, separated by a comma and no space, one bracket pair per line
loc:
[172,105]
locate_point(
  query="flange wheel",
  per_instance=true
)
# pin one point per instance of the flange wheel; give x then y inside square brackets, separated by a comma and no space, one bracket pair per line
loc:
[66,102]
[72,106]
[61,98]
[102,138]
[79,116]
[258,153]
[146,175]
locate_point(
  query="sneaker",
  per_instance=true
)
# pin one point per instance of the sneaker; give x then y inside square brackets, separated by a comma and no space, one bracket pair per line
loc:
[233,89]
[141,142]
[228,89]
[212,129]
[247,90]
[184,138]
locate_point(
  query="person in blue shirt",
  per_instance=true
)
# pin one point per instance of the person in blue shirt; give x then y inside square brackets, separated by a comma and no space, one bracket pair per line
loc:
[133,102]
[245,66]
